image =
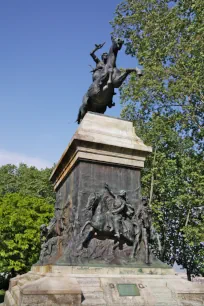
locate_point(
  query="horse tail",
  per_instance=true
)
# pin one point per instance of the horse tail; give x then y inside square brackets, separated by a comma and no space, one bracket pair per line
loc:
[83,108]
[79,116]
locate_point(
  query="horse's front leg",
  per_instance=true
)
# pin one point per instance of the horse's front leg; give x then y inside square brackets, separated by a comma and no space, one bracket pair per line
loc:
[120,77]
[87,238]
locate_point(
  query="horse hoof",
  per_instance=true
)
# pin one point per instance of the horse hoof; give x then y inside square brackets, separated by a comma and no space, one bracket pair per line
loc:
[139,72]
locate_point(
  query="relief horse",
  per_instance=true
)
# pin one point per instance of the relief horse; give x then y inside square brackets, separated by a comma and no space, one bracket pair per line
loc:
[100,223]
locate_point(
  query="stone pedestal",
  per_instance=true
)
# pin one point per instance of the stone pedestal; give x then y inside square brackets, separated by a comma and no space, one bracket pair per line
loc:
[103,150]
[100,271]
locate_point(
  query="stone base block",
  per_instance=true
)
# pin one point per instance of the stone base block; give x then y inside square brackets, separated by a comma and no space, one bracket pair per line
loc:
[102,287]
[44,290]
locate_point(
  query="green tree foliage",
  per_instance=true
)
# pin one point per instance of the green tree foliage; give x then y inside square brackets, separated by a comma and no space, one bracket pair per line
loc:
[20,220]
[167,107]
[26,181]
[167,37]
[174,174]
[26,201]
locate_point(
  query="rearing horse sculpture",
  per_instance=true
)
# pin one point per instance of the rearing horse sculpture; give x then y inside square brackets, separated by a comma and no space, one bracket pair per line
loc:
[101,91]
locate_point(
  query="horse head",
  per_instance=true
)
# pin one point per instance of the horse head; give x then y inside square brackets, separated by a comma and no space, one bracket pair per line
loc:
[117,43]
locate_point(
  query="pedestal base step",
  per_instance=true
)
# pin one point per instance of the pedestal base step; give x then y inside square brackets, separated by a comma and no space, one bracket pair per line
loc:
[62,288]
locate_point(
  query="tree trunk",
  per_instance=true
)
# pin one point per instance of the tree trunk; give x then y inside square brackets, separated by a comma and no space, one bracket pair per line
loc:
[188,275]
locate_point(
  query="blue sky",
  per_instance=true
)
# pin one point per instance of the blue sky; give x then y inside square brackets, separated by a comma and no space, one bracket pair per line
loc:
[44,73]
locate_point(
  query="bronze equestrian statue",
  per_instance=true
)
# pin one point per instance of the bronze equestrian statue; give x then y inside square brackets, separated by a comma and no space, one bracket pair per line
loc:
[106,77]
